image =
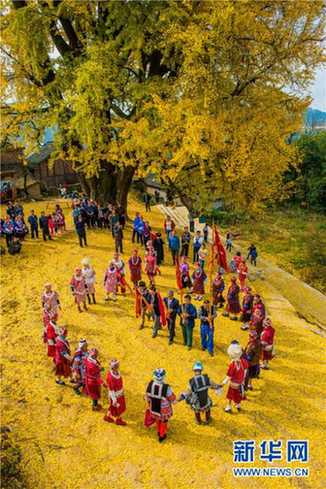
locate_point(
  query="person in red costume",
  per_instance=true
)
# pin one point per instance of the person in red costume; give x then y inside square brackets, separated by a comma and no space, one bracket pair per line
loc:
[267,342]
[242,273]
[120,267]
[116,395]
[93,379]
[62,358]
[198,282]
[258,305]
[235,377]
[52,332]
[236,261]
[49,315]
[135,265]
[233,307]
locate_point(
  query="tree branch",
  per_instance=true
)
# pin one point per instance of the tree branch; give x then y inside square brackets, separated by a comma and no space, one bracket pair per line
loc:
[119,112]
[69,30]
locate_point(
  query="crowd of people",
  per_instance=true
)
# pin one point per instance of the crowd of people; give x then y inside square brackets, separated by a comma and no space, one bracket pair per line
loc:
[14,227]
[237,301]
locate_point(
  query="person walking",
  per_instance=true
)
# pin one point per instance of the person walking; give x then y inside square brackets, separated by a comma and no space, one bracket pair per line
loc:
[44,225]
[118,237]
[147,201]
[252,254]
[114,219]
[81,231]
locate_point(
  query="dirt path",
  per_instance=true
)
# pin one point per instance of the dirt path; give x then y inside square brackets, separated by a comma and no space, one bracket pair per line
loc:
[285,295]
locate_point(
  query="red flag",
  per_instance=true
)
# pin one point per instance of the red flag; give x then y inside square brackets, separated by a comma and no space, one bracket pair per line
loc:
[138,303]
[162,309]
[219,250]
[124,282]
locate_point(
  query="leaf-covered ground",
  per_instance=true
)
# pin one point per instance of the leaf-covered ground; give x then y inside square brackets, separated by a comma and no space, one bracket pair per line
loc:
[67,446]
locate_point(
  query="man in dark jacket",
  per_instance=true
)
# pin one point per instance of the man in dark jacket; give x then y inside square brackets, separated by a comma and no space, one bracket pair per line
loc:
[81,231]
[118,237]
[44,225]
[185,241]
[32,220]
[173,309]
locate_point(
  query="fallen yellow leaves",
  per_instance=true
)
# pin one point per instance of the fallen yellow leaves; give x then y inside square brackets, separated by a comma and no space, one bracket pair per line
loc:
[67,446]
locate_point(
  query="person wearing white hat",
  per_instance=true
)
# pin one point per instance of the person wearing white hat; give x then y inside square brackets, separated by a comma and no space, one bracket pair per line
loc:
[160,398]
[116,395]
[89,276]
[197,394]
[235,376]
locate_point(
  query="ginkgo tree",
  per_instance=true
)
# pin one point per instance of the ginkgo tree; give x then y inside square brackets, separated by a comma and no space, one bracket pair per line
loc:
[201,93]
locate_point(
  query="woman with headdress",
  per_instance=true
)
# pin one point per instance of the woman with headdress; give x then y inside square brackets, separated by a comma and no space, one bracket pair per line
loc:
[79,289]
[90,277]
[111,282]
[78,366]
[233,302]
[218,288]
[242,271]
[184,273]
[116,395]
[51,331]
[198,281]
[252,355]
[93,379]
[50,298]
[267,342]
[62,358]
[246,309]
[235,377]
[135,267]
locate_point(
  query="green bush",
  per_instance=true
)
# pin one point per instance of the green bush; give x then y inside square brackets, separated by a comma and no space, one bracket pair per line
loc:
[227,218]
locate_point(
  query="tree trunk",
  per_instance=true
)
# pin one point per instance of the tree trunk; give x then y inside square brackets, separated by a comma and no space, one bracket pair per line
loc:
[185,199]
[83,183]
[112,185]
[124,181]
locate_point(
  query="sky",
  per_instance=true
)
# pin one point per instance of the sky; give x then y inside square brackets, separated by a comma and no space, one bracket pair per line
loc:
[318,90]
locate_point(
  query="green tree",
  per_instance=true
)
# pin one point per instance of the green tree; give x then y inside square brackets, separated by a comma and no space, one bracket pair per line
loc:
[311,183]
